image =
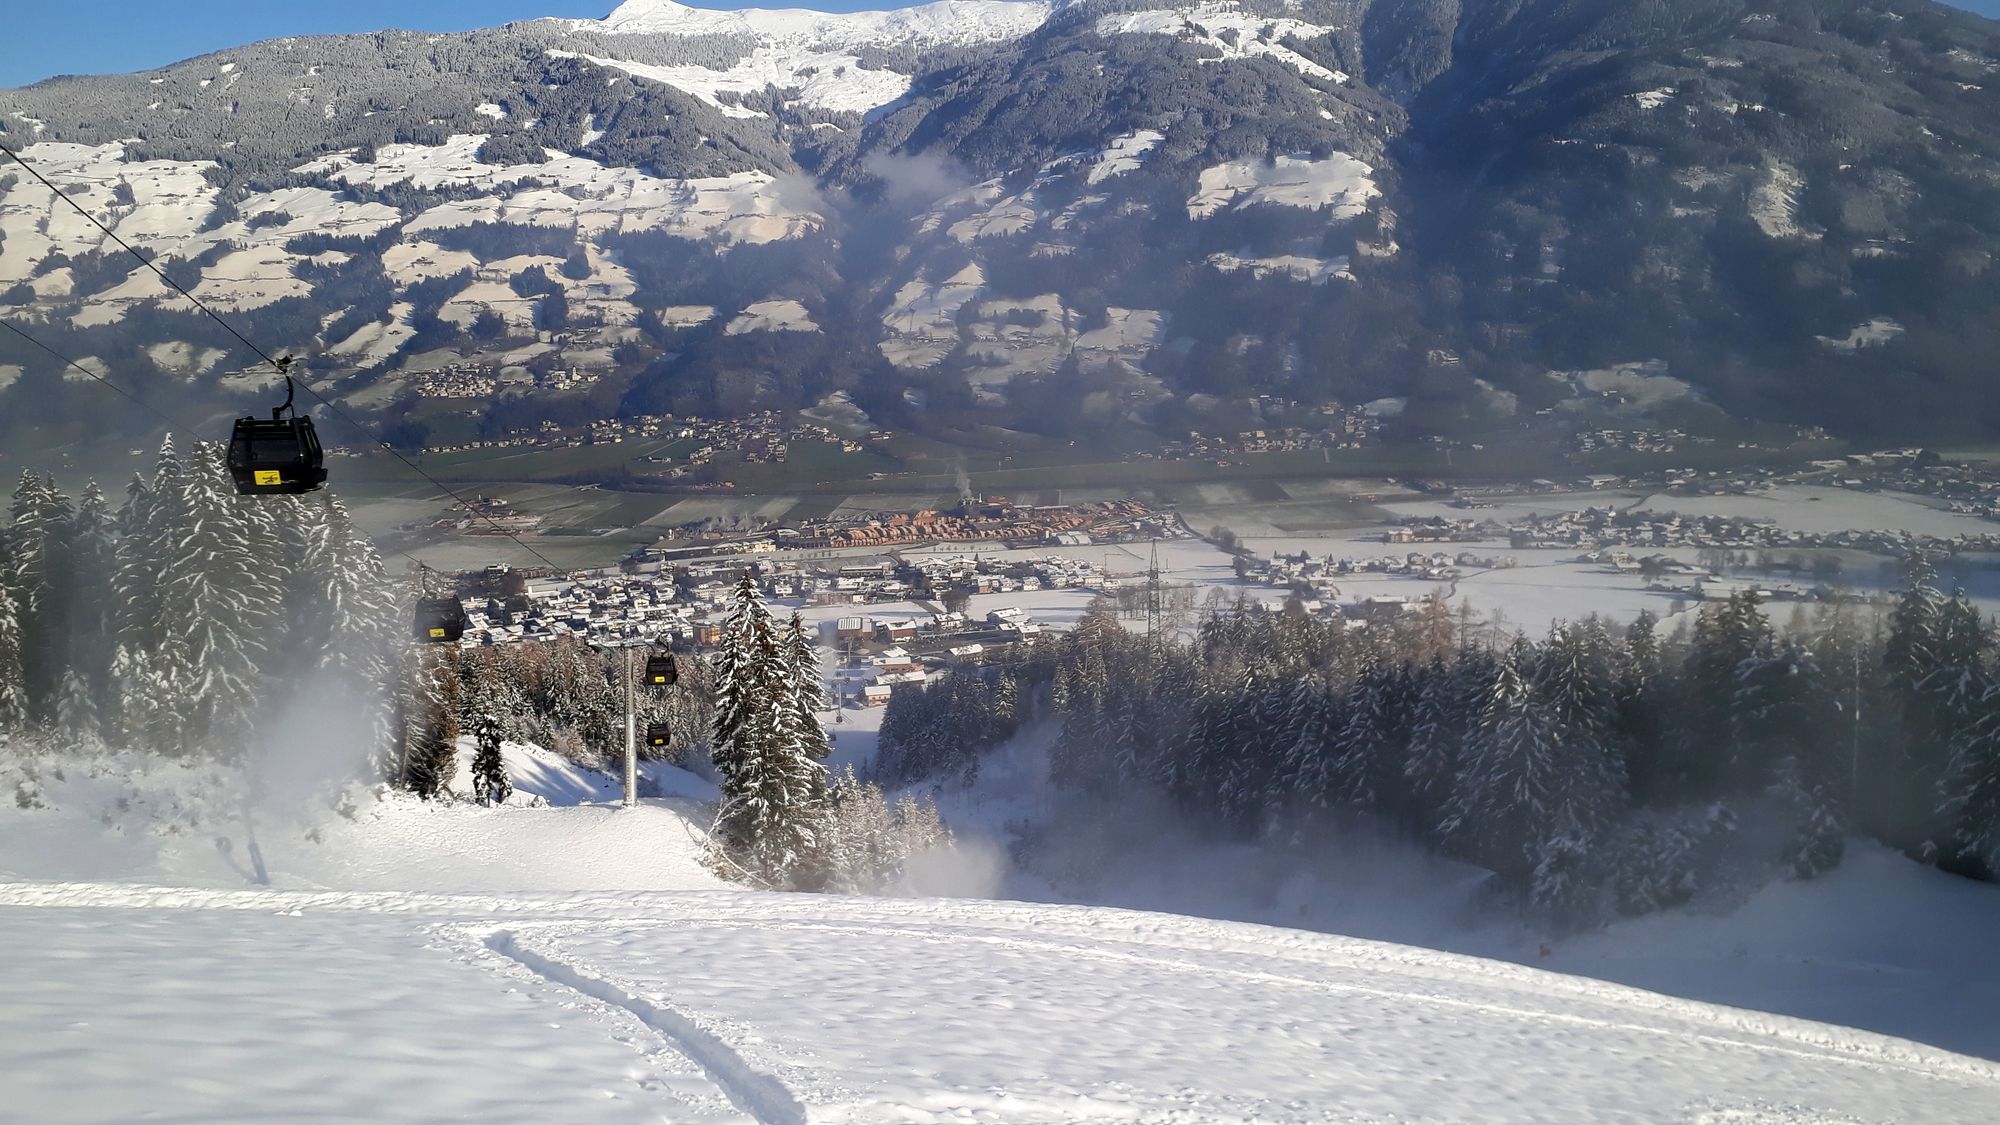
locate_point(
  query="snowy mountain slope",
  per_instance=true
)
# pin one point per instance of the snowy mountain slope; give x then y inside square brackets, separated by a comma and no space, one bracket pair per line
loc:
[810,51]
[129,818]
[948,23]
[732,1007]
[1341,192]
[1881,943]
[409,968]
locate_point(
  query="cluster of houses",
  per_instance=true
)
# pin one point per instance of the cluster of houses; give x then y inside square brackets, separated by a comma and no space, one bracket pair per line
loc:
[479,515]
[975,574]
[456,380]
[991,520]
[1303,571]
[920,648]
[764,436]
[1637,441]
[1341,428]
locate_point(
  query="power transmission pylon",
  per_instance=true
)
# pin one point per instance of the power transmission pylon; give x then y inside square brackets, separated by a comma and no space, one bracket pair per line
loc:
[1154,608]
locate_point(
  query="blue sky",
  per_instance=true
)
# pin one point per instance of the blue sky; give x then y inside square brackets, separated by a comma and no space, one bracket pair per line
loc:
[41,38]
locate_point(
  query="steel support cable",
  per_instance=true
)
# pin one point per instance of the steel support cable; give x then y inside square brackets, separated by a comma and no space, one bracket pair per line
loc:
[283,366]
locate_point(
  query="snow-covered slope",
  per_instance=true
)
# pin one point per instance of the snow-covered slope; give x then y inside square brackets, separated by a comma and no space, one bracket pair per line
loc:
[148,821]
[126,1001]
[948,23]
[416,965]
[810,51]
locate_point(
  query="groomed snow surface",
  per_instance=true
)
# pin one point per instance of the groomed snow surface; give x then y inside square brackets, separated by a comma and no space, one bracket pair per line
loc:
[423,962]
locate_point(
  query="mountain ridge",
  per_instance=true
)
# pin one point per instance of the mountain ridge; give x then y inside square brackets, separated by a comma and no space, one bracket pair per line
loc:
[1790,206]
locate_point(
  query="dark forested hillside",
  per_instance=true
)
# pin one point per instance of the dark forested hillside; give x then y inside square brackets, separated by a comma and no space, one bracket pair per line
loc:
[1128,217]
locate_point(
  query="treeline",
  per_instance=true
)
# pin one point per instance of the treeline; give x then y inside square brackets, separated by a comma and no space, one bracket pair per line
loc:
[193,622]
[783,823]
[562,695]
[186,618]
[1595,772]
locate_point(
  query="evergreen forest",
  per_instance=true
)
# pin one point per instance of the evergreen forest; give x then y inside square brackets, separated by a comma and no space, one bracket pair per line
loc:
[1595,772]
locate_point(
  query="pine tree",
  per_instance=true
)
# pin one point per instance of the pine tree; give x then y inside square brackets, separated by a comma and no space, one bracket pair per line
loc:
[1432,758]
[773,783]
[93,562]
[1911,652]
[13,691]
[1375,743]
[1573,683]
[1639,692]
[152,510]
[489,773]
[346,623]
[215,604]
[747,624]
[1503,805]
[1970,791]
[773,789]
[1726,634]
[39,542]
[1306,755]
[808,694]
[429,708]
[1933,661]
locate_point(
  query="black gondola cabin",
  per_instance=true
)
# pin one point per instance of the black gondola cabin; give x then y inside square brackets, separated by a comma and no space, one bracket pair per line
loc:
[661,670]
[276,456]
[659,735]
[440,620]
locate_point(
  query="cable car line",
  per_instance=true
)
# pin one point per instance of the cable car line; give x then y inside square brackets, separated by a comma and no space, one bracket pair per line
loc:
[438,617]
[143,260]
[172,415]
[9,326]
[283,367]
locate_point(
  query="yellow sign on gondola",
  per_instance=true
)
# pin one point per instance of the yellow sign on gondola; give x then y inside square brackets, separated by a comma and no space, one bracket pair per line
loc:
[268,476]
[437,632]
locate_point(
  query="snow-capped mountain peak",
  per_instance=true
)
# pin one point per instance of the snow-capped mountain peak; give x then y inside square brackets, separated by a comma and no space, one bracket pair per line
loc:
[946,23]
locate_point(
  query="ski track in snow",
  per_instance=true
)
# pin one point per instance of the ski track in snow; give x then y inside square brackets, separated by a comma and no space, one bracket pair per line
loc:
[762,1096]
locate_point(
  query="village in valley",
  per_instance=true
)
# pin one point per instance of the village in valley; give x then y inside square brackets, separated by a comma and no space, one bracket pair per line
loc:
[897,598]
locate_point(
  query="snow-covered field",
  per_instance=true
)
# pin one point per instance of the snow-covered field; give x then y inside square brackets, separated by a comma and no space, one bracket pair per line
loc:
[1880,943]
[129,1002]
[564,959]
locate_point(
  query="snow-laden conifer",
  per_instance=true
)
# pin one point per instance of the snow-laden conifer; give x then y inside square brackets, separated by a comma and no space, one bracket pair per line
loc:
[772,780]
[489,772]
[39,539]
[1503,803]
[93,565]
[808,694]
[153,509]
[13,692]
[216,605]
[1436,728]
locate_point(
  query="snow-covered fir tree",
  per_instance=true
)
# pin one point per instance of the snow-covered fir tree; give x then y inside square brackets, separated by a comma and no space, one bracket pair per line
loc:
[216,606]
[1503,803]
[428,707]
[772,780]
[489,772]
[808,694]
[39,540]
[1432,758]
[13,688]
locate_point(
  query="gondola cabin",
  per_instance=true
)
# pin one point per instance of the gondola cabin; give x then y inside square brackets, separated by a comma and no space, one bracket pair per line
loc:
[440,620]
[659,736]
[661,671]
[276,456]
[279,455]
